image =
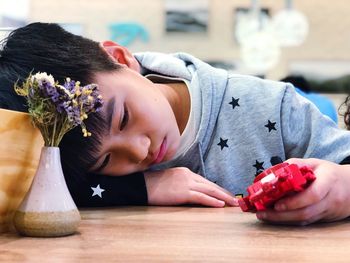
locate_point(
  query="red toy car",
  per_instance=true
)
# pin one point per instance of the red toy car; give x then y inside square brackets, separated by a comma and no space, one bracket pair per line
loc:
[273,184]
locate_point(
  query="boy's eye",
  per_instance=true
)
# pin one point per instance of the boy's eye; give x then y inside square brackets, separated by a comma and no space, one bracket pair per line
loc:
[104,163]
[125,119]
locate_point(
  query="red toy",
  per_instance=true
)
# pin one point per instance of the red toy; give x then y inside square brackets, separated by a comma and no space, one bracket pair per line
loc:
[273,184]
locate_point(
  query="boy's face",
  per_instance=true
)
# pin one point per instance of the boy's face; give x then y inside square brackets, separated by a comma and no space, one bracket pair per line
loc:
[143,128]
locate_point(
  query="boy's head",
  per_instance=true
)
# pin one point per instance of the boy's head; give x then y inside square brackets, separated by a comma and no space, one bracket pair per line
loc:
[48,48]
[143,128]
[143,124]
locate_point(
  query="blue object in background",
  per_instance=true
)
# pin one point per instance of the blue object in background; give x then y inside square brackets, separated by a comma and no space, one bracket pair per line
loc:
[126,33]
[324,104]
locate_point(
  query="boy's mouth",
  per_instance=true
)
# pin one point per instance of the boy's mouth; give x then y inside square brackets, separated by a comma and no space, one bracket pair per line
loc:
[161,153]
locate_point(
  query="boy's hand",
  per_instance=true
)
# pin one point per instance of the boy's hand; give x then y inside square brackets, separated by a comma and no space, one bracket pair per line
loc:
[179,185]
[326,199]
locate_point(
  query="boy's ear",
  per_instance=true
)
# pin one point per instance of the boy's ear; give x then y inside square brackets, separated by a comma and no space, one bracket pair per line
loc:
[120,54]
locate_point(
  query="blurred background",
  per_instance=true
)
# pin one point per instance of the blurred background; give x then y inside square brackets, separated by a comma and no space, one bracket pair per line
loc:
[274,39]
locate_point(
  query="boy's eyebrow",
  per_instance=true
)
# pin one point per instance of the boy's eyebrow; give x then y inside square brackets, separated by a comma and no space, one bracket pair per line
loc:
[110,113]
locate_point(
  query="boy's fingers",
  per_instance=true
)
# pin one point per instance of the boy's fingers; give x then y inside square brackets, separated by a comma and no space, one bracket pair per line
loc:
[215,191]
[205,181]
[311,162]
[206,200]
[315,193]
[293,222]
[302,216]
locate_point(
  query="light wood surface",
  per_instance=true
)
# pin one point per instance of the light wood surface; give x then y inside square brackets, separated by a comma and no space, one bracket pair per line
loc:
[20,146]
[176,234]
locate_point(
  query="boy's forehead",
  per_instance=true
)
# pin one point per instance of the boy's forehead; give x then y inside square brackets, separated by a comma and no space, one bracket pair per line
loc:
[105,80]
[104,76]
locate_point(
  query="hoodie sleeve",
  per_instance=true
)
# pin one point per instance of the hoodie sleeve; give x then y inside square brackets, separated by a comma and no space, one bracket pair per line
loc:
[307,133]
[102,191]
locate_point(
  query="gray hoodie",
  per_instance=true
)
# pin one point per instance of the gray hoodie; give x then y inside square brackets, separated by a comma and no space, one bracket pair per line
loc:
[245,121]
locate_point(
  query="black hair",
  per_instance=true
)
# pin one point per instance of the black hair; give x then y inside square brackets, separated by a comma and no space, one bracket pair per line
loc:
[47,47]
[298,81]
[346,105]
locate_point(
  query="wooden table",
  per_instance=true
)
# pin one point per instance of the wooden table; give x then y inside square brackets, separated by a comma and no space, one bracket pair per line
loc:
[173,234]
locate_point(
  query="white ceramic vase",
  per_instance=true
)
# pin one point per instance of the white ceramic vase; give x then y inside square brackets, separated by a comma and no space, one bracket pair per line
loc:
[48,209]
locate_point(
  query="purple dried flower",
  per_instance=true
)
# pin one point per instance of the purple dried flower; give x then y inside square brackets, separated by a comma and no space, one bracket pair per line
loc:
[56,109]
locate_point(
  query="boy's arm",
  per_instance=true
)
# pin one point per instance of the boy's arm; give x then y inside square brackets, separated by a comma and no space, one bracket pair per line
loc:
[101,190]
[307,133]
[173,186]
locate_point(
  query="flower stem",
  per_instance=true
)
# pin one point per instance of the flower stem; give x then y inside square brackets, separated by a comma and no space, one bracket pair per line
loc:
[54,131]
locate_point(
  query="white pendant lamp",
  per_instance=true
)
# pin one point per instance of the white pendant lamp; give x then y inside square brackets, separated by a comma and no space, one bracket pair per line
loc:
[260,50]
[291,26]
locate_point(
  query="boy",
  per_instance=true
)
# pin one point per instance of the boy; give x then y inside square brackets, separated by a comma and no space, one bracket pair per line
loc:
[55,50]
[186,114]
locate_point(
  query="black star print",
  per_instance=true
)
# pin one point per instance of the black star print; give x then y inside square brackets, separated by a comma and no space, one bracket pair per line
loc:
[223,143]
[234,102]
[275,160]
[259,166]
[258,172]
[271,125]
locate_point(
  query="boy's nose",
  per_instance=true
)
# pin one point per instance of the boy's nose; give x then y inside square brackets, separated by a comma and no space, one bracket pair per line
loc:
[138,147]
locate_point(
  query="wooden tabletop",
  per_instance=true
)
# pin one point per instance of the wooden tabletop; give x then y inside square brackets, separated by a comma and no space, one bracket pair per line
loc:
[175,234]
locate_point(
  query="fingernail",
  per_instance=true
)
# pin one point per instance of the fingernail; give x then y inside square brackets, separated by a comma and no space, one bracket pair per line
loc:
[235,202]
[221,203]
[261,215]
[280,207]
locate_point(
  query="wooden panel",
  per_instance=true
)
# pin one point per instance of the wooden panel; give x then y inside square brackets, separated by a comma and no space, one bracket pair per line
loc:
[20,145]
